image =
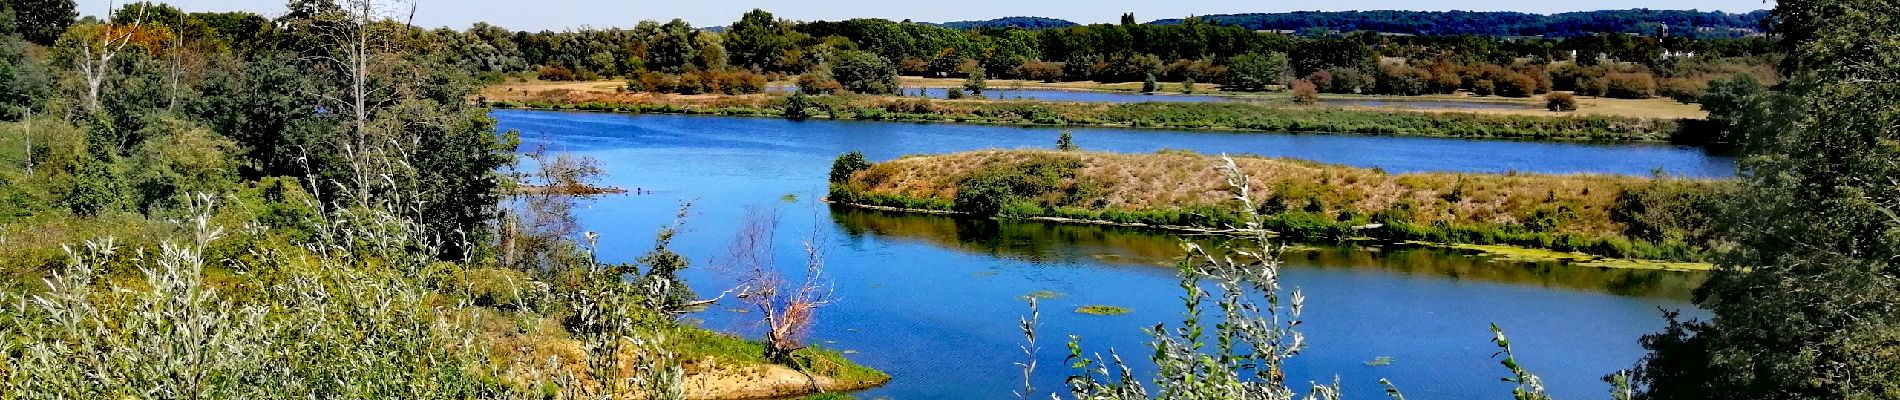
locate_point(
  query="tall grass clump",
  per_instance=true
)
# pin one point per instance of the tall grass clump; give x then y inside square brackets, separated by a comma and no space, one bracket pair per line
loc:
[319,329]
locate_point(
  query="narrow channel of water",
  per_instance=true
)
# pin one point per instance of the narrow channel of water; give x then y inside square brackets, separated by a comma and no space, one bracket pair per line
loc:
[882,141]
[934,300]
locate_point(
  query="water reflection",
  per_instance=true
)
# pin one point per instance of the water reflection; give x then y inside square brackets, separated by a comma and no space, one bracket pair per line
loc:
[1040,242]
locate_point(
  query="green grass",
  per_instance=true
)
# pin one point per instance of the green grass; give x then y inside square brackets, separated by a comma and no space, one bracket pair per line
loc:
[692,343]
[1102,310]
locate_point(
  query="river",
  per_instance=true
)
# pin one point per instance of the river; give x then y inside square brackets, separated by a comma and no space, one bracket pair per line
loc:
[935,300]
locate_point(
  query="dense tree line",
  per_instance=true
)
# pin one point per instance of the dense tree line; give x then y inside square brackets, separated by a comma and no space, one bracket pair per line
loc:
[1011,22]
[1691,23]
[1192,49]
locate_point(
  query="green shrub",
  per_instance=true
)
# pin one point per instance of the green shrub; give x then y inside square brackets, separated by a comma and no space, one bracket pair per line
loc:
[1560,102]
[847,164]
[1629,85]
[992,189]
[864,72]
[1305,92]
[1484,87]
[798,106]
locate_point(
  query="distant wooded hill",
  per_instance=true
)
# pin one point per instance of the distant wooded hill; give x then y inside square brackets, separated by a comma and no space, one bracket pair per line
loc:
[1011,22]
[1692,23]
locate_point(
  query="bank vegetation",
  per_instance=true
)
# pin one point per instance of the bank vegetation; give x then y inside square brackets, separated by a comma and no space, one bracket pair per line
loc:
[1253,117]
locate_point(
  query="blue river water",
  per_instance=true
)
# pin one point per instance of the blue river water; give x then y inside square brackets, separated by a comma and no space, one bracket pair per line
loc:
[935,300]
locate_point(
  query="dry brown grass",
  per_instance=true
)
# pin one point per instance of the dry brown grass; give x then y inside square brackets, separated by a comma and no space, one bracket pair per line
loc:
[1168,180]
[506,90]
[1654,108]
[1006,84]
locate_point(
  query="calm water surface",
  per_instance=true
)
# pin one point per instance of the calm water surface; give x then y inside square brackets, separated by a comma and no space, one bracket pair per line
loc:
[934,300]
[822,140]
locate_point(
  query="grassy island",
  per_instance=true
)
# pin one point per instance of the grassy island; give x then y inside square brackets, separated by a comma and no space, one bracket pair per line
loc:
[1595,215]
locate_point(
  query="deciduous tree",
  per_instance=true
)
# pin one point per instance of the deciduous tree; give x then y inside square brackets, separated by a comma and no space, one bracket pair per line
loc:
[1803,307]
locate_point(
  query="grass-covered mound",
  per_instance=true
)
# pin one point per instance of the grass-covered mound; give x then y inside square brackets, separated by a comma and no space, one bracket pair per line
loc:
[1603,215]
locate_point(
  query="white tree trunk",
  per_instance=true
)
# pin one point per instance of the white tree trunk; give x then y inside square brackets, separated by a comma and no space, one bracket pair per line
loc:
[95,67]
[178,47]
[29,140]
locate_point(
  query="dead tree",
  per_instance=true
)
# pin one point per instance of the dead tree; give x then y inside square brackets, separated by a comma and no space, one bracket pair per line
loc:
[787,309]
[358,51]
[177,50]
[95,59]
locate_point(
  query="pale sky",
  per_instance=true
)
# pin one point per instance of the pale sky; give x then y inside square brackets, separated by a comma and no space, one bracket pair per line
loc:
[563,14]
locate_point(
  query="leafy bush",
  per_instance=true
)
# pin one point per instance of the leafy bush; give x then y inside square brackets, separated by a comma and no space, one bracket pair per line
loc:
[731,82]
[848,164]
[1403,80]
[1592,86]
[555,73]
[1350,81]
[798,106]
[1253,72]
[1670,210]
[1629,85]
[819,82]
[991,189]
[1484,87]
[1305,92]
[1516,84]
[1048,72]
[864,72]
[1560,102]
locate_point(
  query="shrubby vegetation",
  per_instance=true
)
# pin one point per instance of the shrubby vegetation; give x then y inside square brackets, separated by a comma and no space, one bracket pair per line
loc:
[698,82]
[1803,307]
[198,205]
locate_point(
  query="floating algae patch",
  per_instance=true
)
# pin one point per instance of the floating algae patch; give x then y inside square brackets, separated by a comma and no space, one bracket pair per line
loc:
[1102,310]
[1380,362]
[1521,254]
[1040,295]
